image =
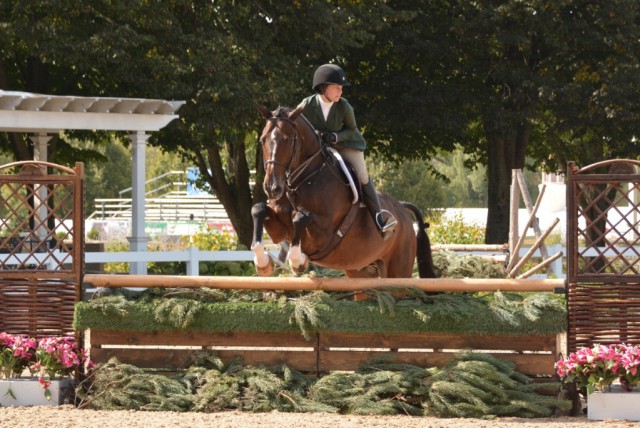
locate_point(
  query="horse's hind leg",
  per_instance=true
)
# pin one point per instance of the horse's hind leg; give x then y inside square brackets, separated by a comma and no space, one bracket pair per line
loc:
[377,269]
[400,266]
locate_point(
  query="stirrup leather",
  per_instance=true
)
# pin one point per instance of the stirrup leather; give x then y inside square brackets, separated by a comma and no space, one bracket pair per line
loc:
[387,225]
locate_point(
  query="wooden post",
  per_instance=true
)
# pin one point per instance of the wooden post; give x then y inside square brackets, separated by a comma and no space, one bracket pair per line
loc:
[513,222]
[527,201]
[532,218]
[539,266]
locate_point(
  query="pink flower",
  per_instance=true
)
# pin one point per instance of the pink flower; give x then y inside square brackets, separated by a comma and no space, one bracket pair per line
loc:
[44,383]
[599,366]
[49,356]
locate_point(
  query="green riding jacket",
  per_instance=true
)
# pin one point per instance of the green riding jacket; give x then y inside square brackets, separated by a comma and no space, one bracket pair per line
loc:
[341,120]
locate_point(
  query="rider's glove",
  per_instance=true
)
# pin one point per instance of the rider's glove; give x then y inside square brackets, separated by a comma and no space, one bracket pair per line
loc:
[329,138]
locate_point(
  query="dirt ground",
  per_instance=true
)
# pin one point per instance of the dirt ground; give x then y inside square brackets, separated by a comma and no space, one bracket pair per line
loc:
[71,417]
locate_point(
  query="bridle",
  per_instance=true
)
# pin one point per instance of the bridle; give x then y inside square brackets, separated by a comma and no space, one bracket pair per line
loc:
[286,166]
[292,176]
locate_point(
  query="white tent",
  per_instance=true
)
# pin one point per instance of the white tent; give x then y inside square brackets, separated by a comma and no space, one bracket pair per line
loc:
[41,116]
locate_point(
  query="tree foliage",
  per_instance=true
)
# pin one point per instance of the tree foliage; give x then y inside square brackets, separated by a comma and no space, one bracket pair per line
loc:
[555,81]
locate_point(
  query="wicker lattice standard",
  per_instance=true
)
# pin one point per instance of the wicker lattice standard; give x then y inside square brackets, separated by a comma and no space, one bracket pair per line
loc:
[41,247]
[603,262]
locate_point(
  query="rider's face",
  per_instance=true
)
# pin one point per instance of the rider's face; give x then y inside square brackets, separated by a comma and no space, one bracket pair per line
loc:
[332,93]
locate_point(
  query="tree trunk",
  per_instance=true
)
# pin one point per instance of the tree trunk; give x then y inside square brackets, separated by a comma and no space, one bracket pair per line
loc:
[499,168]
[505,153]
[233,191]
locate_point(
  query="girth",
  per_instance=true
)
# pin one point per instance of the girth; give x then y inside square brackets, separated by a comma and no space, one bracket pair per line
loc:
[338,234]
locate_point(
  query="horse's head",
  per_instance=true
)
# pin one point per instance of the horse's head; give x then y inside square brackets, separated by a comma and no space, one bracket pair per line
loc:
[281,147]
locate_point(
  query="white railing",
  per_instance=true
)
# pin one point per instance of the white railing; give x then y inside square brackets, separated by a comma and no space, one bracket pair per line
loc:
[192,256]
[155,190]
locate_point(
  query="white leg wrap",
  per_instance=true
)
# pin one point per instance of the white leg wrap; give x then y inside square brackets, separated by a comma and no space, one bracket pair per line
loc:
[296,257]
[261,257]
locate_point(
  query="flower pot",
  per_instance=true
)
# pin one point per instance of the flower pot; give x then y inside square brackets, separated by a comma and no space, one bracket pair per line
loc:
[29,392]
[614,404]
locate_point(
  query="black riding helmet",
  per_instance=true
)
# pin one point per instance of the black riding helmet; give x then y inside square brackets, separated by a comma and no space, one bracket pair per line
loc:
[327,74]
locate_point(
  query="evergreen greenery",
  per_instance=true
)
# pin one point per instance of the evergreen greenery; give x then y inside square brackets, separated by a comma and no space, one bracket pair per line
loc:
[481,313]
[481,386]
[473,385]
[450,265]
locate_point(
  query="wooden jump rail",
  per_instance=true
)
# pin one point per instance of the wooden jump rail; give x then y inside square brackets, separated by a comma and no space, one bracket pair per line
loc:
[469,285]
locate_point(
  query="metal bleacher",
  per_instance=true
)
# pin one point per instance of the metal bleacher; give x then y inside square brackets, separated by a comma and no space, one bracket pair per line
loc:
[168,201]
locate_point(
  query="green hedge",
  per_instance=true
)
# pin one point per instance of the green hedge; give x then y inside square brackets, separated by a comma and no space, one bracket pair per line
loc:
[537,315]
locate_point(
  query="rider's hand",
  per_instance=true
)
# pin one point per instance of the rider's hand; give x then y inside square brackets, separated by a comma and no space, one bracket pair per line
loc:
[329,137]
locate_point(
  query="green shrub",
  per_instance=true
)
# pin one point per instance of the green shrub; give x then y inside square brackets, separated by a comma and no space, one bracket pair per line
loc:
[209,238]
[93,234]
[116,247]
[454,231]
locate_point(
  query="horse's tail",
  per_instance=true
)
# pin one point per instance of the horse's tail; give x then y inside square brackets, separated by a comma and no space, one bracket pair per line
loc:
[426,269]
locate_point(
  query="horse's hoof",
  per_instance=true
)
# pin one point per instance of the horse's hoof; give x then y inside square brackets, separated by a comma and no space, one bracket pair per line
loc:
[266,270]
[299,269]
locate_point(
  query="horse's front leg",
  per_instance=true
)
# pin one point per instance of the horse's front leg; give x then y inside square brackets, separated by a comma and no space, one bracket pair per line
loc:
[298,261]
[261,258]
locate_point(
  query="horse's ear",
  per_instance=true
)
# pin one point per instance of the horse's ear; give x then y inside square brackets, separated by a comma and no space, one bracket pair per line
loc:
[264,112]
[297,112]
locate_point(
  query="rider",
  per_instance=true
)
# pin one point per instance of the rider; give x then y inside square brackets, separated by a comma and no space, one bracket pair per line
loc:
[332,116]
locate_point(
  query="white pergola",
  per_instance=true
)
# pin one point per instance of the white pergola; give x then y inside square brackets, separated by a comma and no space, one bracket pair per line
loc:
[42,116]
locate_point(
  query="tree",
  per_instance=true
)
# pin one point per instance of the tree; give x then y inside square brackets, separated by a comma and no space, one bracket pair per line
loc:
[402,180]
[502,79]
[221,57]
[240,55]
[497,76]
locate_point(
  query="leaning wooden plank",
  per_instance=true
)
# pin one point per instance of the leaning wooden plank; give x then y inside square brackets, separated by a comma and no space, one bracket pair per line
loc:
[539,266]
[533,248]
[527,201]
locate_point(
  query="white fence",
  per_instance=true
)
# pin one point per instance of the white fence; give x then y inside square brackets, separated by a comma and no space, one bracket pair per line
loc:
[192,256]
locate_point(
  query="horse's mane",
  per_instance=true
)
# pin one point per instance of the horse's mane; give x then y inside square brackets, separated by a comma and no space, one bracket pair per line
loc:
[282,111]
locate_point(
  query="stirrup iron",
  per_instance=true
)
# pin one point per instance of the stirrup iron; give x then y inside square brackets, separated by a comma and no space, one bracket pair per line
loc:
[389,225]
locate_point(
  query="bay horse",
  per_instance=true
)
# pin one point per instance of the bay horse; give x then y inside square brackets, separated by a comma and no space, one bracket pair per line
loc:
[312,207]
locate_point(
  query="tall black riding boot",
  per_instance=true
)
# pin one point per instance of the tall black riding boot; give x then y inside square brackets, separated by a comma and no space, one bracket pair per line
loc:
[383,219]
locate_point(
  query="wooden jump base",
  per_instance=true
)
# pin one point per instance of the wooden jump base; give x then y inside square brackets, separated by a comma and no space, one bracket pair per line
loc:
[469,285]
[532,355]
